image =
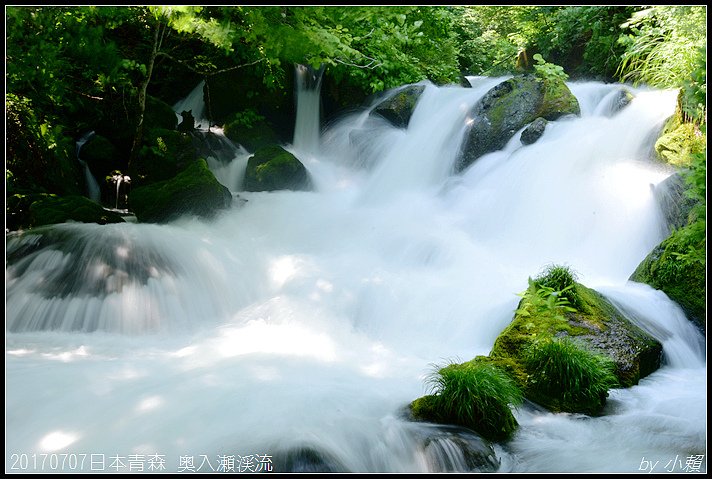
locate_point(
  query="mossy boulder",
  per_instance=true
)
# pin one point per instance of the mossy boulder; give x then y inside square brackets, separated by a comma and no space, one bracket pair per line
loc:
[274,168]
[399,107]
[165,153]
[509,107]
[193,191]
[595,323]
[681,276]
[679,141]
[52,209]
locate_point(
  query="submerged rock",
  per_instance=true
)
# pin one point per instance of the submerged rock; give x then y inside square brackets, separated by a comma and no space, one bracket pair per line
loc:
[534,131]
[674,203]
[456,449]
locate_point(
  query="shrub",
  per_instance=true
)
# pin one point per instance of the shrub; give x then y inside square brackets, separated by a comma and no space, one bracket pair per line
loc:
[564,376]
[476,395]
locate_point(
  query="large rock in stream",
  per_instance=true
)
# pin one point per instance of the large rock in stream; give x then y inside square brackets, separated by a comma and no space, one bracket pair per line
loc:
[273,168]
[193,191]
[509,107]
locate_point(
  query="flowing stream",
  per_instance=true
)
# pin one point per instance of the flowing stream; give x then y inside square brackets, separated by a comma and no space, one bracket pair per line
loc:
[309,320]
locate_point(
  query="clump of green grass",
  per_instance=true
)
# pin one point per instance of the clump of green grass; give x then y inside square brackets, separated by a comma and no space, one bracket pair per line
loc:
[476,395]
[564,376]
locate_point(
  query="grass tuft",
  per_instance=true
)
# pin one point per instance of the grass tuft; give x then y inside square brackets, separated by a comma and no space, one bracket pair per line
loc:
[565,376]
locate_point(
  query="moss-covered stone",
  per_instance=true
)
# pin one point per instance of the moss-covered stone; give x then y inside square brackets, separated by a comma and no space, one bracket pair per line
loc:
[165,153]
[509,107]
[194,191]
[597,323]
[52,209]
[567,376]
[274,168]
[679,141]
[681,276]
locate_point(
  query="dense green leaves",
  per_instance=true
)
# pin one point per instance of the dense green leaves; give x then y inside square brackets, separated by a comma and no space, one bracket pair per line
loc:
[662,49]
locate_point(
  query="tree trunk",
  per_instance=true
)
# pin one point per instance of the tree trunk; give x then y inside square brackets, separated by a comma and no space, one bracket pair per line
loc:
[138,137]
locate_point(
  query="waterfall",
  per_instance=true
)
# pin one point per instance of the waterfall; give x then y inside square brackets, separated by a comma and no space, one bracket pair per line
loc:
[308,124]
[296,328]
[194,103]
[93,189]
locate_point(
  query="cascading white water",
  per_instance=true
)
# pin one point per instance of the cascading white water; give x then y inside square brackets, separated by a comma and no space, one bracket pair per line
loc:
[93,190]
[310,319]
[307,127]
[195,104]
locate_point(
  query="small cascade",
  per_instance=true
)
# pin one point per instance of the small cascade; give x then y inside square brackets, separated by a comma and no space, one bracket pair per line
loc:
[93,189]
[195,104]
[307,127]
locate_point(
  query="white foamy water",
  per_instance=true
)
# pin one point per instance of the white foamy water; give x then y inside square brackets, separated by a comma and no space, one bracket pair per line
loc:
[309,319]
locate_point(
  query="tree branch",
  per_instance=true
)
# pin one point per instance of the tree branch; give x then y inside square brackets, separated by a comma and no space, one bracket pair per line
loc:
[371,65]
[203,73]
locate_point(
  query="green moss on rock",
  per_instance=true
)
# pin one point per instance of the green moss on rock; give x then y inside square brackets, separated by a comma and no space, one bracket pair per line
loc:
[52,209]
[679,141]
[194,191]
[596,322]
[165,153]
[399,108]
[682,276]
[509,107]
[274,168]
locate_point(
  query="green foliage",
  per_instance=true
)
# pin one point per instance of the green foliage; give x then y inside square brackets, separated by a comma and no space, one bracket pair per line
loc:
[694,91]
[584,39]
[246,118]
[478,395]
[553,293]
[564,376]
[662,48]
[548,71]
[562,281]
[544,300]
[491,36]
